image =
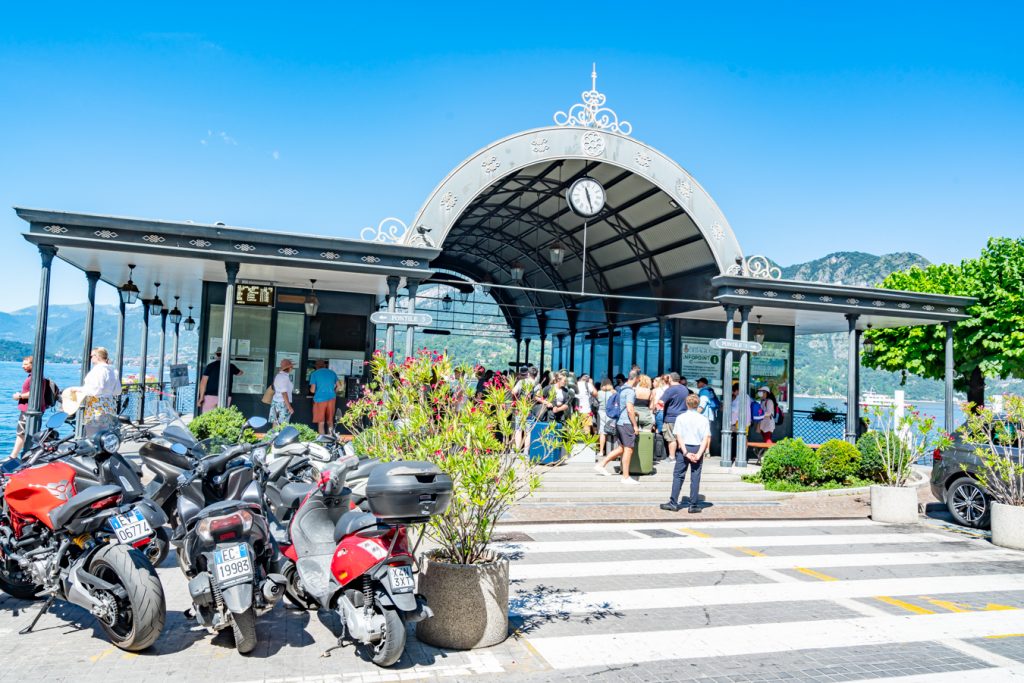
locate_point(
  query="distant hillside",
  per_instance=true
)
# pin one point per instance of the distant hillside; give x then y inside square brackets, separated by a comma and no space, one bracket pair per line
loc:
[853,268]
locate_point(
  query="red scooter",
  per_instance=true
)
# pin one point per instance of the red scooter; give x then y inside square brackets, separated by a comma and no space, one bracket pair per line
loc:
[359,563]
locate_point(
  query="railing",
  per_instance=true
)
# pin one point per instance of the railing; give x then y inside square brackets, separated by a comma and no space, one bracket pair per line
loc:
[141,401]
[816,431]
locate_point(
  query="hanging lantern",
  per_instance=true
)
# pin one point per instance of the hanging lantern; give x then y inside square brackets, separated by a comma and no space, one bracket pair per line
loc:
[463,297]
[155,304]
[189,323]
[869,344]
[556,254]
[446,303]
[517,272]
[128,292]
[759,332]
[175,315]
[312,304]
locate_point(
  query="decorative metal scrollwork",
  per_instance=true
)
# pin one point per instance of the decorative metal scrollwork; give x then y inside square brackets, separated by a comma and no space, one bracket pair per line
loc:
[539,145]
[755,266]
[287,251]
[202,244]
[685,189]
[106,234]
[330,255]
[390,229]
[369,258]
[55,229]
[591,113]
[825,299]
[490,164]
[717,233]
[448,201]
[153,239]
[642,159]
[593,144]
[928,307]
[245,247]
[410,263]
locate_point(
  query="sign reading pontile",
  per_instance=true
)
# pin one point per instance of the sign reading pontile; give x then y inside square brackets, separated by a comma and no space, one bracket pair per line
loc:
[388,318]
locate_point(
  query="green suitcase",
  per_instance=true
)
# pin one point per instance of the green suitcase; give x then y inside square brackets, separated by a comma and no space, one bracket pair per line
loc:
[642,461]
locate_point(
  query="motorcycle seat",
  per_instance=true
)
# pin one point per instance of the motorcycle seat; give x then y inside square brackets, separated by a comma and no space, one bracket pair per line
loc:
[351,522]
[66,512]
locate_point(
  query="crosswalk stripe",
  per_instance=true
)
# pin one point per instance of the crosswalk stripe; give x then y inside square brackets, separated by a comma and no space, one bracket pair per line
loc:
[567,652]
[691,565]
[696,596]
[709,527]
[988,675]
[568,546]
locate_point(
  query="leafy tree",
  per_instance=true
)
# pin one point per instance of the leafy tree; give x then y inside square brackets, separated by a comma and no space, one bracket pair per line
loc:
[988,344]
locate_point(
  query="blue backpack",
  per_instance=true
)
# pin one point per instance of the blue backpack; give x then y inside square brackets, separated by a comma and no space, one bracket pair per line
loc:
[756,411]
[713,403]
[612,408]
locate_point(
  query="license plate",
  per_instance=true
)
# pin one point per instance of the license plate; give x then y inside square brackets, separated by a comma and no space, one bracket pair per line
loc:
[130,527]
[401,579]
[233,564]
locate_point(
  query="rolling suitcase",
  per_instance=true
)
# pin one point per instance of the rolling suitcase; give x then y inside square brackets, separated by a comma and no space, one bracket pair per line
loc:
[642,461]
[539,451]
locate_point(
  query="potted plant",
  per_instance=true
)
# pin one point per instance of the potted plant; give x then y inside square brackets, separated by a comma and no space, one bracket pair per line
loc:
[901,439]
[1000,450]
[425,408]
[820,412]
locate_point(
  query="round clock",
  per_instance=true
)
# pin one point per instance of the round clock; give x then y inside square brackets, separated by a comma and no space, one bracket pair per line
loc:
[586,197]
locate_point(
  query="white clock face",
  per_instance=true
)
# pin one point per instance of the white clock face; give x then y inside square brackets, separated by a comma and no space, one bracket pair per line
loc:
[587,197]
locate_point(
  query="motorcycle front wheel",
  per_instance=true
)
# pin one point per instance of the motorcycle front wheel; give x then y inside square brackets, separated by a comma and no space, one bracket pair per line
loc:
[391,645]
[243,625]
[135,620]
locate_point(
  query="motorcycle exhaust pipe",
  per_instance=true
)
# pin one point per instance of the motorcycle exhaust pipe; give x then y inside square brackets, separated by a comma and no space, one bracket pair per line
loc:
[273,587]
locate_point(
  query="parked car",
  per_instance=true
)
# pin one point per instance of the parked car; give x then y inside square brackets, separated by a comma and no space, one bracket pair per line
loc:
[954,481]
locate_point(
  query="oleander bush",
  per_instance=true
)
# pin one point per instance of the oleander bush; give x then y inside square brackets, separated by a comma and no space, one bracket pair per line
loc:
[839,459]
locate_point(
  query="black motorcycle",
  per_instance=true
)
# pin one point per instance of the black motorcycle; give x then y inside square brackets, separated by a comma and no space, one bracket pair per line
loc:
[225,548]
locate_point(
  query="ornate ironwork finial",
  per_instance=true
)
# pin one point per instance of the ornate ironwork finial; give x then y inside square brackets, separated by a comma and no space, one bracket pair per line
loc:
[390,229]
[755,266]
[591,113]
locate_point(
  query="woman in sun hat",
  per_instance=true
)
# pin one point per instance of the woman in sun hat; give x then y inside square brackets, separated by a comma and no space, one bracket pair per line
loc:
[768,404]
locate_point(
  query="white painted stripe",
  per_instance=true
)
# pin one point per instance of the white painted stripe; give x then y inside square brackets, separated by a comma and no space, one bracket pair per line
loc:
[699,596]
[536,547]
[568,652]
[980,653]
[1015,673]
[526,527]
[556,570]
[476,664]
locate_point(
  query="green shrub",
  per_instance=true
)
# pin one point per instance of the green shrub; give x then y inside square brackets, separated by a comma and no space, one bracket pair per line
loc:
[871,466]
[840,460]
[791,460]
[221,423]
[306,433]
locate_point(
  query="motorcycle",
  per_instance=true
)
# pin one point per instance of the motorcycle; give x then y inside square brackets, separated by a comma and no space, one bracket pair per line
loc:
[81,546]
[97,462]
[226,551]
[359,563]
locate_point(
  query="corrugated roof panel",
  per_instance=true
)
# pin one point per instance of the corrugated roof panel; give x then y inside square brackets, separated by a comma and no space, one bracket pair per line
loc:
[690,257]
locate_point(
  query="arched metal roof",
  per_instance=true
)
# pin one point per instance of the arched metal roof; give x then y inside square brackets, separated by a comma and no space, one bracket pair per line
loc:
[660,235]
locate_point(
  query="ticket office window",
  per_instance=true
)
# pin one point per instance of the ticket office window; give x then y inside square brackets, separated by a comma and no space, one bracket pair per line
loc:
[249,345]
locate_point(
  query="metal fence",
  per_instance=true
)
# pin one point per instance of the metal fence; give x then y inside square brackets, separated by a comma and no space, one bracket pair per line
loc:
[141,401]
[815,431]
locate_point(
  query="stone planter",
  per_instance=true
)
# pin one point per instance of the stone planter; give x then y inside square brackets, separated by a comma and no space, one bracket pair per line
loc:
[469,601]
[1008,526]
[894,504]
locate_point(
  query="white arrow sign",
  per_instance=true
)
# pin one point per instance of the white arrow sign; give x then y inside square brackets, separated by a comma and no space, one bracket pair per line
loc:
[388,318]
[735,345]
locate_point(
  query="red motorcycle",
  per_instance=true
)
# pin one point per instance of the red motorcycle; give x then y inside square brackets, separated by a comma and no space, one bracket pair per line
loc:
[83,548]
[359,563]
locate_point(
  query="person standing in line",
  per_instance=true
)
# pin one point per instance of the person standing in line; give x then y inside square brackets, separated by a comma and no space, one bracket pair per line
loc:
[708,400]
[674,404]
[693,437]
[525,387]
[627,429]
[209,385]
[768,405]
[740,411]
[99,393]
[660,384]
[585,391]
[22,398]
[281,409]
[644,403]
[324,383]
[605,425]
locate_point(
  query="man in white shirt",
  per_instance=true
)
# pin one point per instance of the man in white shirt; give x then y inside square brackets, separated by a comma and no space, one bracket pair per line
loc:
[693,438]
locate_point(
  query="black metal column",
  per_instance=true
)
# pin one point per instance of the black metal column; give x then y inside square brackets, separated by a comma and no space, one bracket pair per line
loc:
[120,340]
[727,432]
[143,357]
[661,344]
[949,376]
[163,350]
[231,269]
[410,332]
[743,427]
[35,390]
[853,360]
[611,353]
[91,277]
[389,335]
[542,327]
[526,359]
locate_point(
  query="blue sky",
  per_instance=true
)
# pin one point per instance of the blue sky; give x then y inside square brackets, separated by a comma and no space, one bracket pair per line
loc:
[816,127]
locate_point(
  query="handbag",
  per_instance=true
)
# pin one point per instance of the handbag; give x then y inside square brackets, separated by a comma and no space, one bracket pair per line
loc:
[268,395]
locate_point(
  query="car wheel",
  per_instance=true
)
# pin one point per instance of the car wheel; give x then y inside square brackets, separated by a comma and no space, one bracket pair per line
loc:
[968,503]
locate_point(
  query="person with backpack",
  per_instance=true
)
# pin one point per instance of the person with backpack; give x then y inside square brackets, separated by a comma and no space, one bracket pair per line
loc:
[621,408]
[769,412]
[22,399]
[709,404]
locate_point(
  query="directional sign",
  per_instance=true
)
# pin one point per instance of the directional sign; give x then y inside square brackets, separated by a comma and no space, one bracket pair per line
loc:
[735,345]
[388,318]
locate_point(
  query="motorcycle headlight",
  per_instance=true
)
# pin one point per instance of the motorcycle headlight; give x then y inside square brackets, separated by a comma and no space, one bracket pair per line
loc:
[110,442]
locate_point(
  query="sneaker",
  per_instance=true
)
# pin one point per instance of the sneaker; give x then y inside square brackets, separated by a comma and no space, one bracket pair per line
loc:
[602,471]
[629,481]
[670,507]
[694,508]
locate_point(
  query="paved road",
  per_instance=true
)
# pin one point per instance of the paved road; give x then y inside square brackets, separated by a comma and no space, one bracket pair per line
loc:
[680,601]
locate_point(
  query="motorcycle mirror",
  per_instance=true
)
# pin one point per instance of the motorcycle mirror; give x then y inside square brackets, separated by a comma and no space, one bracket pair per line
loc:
[124,419]
[56,420]
[178,449]
[256,422]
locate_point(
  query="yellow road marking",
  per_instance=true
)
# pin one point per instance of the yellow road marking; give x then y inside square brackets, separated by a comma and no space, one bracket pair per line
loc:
[993,607]
[694,532]
[749,551]
[817,575]
[1007,635]
[529,646]
[904,605]
[951,606]
[129,655]
[96,658]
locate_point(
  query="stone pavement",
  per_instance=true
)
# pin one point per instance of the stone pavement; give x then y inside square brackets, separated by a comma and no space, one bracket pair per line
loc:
[816,600]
